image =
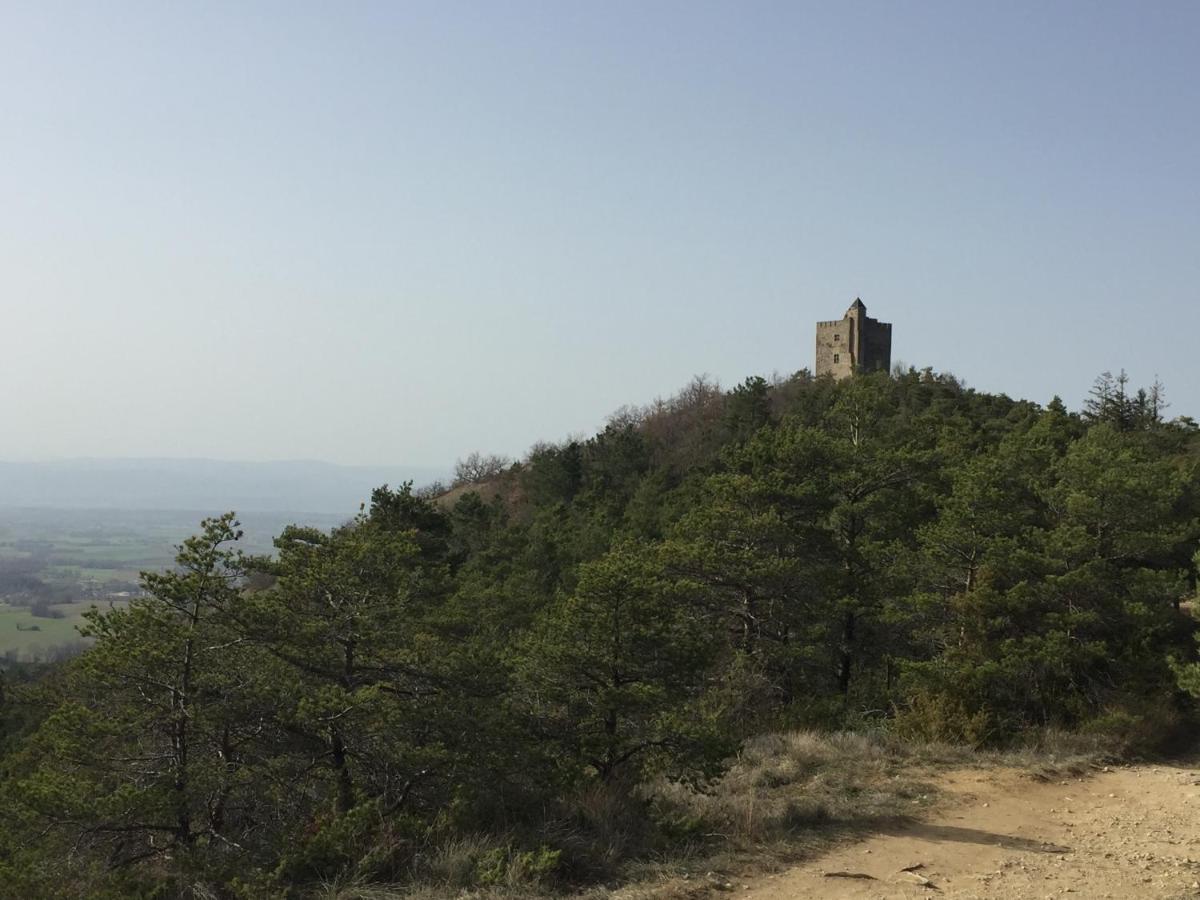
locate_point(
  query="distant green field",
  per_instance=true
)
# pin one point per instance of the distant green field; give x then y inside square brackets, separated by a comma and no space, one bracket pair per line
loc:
[104,575]
[27,644]
[85,555]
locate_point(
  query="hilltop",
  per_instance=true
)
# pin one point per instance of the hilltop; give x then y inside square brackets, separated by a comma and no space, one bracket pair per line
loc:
[730,625]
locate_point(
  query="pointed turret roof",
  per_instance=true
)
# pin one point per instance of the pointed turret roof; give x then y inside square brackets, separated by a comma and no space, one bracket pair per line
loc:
[857,304]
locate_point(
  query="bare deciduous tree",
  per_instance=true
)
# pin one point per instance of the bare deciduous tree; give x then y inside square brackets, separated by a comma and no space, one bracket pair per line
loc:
[477,467]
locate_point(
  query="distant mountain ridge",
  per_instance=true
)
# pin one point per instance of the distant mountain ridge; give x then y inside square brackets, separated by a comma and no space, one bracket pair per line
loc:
[199,484]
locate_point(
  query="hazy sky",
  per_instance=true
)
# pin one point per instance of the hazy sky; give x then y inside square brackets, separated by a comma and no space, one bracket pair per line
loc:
[396,232]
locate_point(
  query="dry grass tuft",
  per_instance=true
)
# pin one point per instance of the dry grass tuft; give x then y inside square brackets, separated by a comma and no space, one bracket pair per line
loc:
[793,792]
[786,797]
[455,863]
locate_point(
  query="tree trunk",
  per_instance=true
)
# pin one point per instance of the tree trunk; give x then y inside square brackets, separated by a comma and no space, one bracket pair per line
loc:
[345,783]
[847,655]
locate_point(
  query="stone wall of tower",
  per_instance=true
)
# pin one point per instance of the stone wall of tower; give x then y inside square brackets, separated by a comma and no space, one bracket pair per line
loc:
[835,348]
[876,346]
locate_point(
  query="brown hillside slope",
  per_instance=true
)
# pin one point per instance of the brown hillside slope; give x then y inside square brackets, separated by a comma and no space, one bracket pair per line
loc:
[486,490]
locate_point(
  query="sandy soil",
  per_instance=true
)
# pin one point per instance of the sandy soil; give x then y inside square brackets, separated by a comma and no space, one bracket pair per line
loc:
[1124,832]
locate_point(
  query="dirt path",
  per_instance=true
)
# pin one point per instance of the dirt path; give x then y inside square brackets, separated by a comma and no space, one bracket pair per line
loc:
[1128,832]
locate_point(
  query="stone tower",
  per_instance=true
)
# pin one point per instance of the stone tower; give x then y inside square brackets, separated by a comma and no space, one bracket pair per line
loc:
[854,343]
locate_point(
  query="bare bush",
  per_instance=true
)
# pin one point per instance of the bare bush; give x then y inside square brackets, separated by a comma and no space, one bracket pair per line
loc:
[627,416]
[686,427]
[432,490]
[477,467]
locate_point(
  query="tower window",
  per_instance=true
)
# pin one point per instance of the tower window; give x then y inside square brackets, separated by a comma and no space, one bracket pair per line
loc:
[837,337]
[837,358]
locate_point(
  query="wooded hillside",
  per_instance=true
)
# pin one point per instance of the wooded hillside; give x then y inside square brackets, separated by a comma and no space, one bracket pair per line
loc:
[886,553]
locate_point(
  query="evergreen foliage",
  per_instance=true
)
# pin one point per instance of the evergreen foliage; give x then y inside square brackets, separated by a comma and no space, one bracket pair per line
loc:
[894,552]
